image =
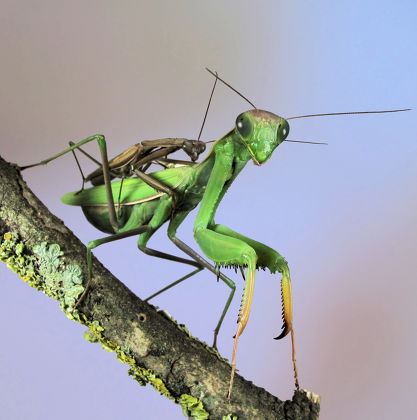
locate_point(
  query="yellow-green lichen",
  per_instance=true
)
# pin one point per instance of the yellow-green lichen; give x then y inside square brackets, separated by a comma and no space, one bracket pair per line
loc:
[191,406]
[93,334]
[229,417]
[44,270]
[90,337]
[143,376]
[11,252]
[140,374]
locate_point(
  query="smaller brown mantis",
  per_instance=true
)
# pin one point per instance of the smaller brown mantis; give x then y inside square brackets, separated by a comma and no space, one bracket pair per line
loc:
[138,158]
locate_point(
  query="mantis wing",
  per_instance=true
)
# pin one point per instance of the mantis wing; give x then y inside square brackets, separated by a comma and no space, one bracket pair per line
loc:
[133,189]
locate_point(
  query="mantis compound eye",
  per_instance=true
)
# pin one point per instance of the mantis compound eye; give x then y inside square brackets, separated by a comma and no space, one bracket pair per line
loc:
[243,125]
[188,146]
[283,130]
[202,147]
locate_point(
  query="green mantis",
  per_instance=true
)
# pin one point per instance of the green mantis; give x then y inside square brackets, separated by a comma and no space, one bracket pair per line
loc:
[142,205]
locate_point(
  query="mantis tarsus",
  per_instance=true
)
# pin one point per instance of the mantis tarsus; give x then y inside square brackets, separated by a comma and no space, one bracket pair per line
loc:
[144,204]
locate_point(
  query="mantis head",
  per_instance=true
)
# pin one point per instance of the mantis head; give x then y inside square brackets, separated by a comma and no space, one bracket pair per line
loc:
[261,132]
[193,148]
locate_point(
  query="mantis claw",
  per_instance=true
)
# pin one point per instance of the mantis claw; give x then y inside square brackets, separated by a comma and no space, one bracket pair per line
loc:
[284,332]
[286,298]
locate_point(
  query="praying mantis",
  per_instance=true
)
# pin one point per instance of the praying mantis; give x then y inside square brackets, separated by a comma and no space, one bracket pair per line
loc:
[140,204]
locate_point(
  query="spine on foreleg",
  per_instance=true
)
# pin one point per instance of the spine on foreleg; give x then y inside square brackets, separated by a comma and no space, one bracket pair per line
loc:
[286,299]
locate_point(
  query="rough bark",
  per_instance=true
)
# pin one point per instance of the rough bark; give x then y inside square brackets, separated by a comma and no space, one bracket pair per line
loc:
[158,349]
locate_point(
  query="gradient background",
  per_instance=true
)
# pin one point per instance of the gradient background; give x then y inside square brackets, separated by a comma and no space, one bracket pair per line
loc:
[344,215]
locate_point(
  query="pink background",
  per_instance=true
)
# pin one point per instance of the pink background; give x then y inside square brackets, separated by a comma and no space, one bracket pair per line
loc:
[344,215]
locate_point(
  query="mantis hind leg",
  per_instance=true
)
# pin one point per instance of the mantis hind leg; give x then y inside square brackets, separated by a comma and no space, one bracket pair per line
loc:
[106,172]
[84,178]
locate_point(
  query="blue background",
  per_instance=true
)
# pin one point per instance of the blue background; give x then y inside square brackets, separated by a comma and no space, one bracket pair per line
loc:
[343,215]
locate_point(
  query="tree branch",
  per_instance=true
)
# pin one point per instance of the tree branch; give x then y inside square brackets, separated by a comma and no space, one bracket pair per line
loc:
[157,349]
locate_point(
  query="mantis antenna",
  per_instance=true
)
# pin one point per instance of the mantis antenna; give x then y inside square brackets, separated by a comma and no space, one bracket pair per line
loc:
[208,106]
[304,141]
[348,113]
[231,87]
[340,113]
